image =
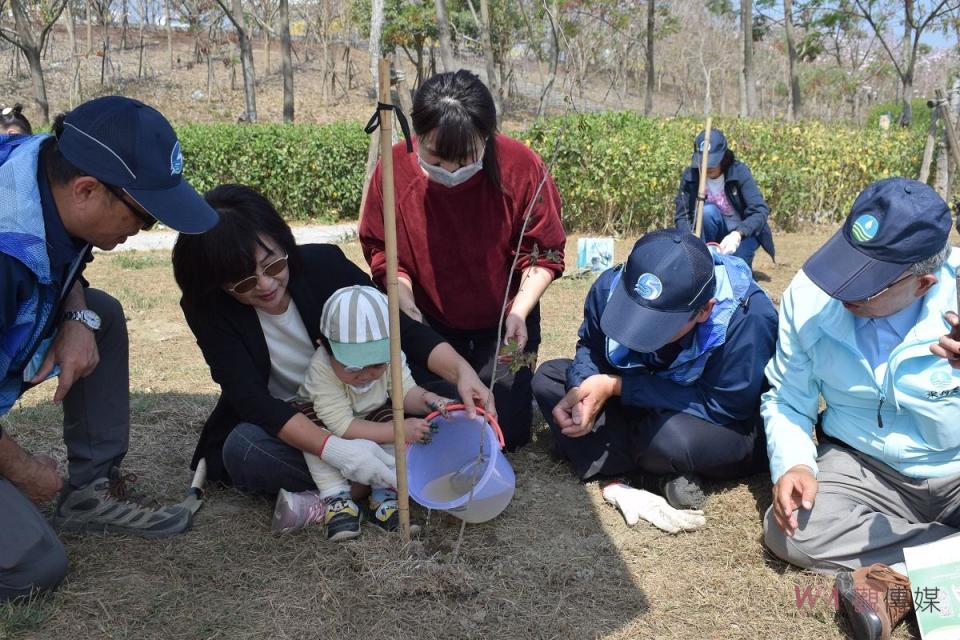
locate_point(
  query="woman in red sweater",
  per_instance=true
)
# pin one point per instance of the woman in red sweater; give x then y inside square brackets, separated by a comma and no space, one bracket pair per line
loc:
[462,195]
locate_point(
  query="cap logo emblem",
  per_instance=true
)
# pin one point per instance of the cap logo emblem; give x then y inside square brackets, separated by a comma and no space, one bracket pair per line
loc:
[649,286]
[703,143]
[176,160]
[865,228]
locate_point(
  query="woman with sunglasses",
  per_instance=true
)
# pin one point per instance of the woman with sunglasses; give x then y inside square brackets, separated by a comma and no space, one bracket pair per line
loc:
[463,194]
[253,300]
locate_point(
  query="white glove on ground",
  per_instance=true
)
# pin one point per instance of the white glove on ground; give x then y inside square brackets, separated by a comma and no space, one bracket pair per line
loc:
[730,243]
[635,504]
[362,461]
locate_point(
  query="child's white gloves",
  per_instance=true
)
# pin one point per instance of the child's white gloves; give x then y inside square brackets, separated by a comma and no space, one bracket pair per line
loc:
[730,243]
[362,461]
[635,504]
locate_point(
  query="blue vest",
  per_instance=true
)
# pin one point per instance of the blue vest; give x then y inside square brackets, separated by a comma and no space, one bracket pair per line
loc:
[23,237]
[733,282]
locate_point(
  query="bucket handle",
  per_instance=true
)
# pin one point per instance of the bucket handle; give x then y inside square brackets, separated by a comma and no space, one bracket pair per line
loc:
[480,412]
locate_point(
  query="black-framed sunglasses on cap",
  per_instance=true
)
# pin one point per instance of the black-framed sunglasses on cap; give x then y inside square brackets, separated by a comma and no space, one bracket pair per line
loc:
[148,220]
[272,270]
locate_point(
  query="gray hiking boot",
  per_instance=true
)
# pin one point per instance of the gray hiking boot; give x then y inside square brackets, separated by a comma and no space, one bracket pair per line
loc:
[105,506]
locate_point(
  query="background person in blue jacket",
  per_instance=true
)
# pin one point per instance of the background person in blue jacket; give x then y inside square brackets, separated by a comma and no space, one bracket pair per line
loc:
[112,168]
[735,213]
[859,328]
[668,371]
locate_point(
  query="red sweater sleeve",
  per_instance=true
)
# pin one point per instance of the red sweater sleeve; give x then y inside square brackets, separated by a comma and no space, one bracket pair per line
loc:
[544,236]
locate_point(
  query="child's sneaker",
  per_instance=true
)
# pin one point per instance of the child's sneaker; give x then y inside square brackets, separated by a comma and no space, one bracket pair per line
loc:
[342,518]
[385,513]
[296,510]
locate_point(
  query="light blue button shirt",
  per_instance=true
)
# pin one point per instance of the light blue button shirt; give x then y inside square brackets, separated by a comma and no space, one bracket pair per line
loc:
[878,337]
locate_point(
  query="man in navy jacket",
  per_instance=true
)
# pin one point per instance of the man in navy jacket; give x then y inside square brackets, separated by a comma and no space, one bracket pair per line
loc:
[666,382]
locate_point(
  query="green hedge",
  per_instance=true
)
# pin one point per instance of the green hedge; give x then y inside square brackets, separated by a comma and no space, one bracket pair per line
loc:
[309,172]
[621,171]
[615,171]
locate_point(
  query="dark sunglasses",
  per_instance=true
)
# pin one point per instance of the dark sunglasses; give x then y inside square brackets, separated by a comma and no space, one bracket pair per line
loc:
[147,220]
[249,283]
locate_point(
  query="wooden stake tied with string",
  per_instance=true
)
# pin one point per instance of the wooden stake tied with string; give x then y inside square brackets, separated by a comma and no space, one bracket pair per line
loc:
[702,188]
[393,297]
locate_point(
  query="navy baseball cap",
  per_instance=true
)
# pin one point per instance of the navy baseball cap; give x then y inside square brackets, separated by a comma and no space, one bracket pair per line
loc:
[667,277]
[718,147]
[893,224]
[124,143]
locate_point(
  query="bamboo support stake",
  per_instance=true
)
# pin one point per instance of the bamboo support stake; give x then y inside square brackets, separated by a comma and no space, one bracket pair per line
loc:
[948,125]
[702,188]
[929,145]
[393,298]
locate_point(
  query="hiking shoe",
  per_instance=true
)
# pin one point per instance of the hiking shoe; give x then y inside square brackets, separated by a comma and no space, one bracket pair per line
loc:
[106,506]
[295,510]
[342,518]
[385,514]
[683,491]
[876,599]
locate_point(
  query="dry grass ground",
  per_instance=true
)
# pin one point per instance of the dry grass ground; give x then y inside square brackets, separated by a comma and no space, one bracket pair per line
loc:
[558,563]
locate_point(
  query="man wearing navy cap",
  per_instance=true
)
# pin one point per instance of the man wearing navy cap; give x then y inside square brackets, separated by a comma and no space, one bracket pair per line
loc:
[668,371]
[112,168]
[858,325]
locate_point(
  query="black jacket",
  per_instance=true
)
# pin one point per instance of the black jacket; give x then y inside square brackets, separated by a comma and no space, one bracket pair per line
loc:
[744,196]
[232,342]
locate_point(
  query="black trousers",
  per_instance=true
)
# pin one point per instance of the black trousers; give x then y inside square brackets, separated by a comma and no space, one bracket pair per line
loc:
[512,391]
[652,441]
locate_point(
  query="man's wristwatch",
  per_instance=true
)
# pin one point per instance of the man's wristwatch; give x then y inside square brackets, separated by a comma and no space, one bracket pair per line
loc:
[86,317]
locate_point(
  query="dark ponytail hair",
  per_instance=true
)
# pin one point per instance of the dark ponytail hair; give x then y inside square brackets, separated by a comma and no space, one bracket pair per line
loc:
[13,117]
[459,107]
[728,160]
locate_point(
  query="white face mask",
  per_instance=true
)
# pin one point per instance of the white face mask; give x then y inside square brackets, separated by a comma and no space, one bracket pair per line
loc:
[451,178]
[362,388]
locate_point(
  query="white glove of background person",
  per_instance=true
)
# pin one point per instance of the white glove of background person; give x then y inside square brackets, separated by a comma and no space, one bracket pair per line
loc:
[730,243]
[635,504]
[362,461]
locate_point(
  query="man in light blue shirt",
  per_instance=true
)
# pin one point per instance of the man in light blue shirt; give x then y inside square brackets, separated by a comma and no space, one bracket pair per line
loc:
[859,326]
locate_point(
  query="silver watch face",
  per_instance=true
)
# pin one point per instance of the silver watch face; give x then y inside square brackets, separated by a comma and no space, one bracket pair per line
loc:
[90,319]
[86,317]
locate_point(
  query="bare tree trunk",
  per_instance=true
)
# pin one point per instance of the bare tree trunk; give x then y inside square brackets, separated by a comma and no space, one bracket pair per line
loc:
[795,103]
[124,23]
[31,47]
[86,13]
[266,52]
[235,15]
[167,18]
[71,28]
[488,57]
[287,61]
[906,78]
[651,72]
[446,53]
[554,59]
[748,99]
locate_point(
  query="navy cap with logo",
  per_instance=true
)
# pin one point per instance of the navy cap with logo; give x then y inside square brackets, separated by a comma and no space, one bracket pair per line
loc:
[718,147]
[893,224]
[668,276]
[125,143]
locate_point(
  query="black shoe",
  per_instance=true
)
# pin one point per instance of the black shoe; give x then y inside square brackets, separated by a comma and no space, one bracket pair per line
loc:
[342,518]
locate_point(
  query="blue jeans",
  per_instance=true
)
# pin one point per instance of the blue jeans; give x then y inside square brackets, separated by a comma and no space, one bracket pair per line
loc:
[262,464]
[715,229]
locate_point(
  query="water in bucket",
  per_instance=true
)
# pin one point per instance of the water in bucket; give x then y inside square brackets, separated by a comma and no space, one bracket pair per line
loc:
[442,473]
